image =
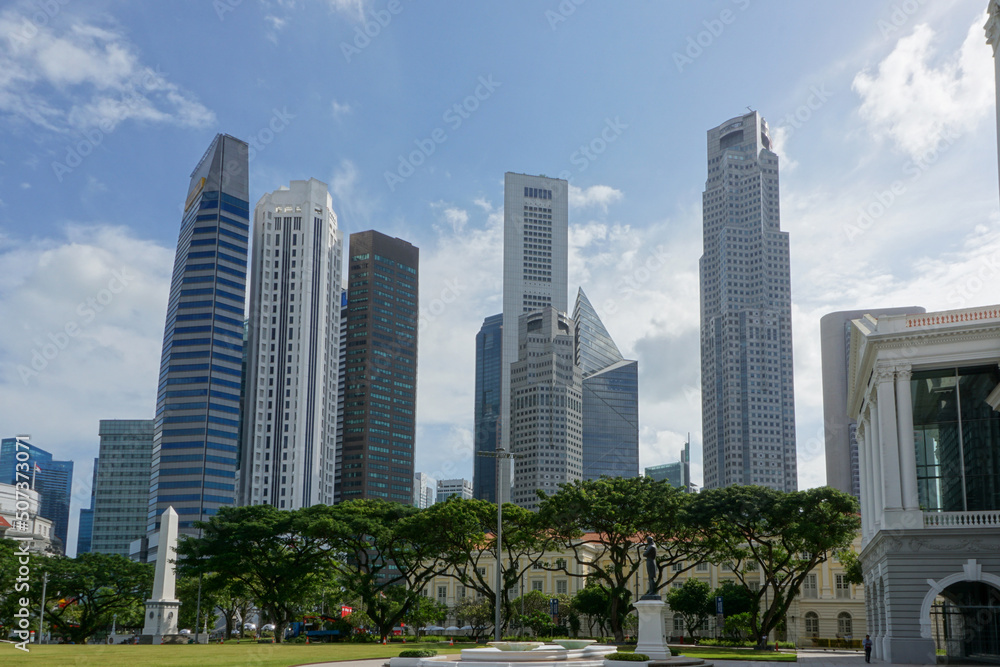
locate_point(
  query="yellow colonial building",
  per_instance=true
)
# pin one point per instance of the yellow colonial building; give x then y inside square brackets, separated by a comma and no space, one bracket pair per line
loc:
[827,607]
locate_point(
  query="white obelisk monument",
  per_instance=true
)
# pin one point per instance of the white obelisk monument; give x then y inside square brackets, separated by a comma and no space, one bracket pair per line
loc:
[162,608]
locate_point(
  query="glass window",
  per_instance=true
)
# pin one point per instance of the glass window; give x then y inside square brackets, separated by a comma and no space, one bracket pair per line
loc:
[812,624]
[844,625]
[809,587]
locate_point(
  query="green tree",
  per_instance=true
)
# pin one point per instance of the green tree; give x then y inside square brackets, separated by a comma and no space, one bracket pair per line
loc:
[262,551]
[467,540]
[84,593]
[736,598]
[604,521]
[693,602]
[383,552]
[475,613]
[9,596]
[594,601]
[852,567]
[426,611]
[772,539]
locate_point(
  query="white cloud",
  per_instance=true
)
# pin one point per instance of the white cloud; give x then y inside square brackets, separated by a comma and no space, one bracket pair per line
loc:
[596,195]
[84,76]
[914,101]
[340,109]
[354,9]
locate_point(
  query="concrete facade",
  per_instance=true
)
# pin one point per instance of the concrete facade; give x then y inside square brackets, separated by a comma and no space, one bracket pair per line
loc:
[930,485]
[842,463]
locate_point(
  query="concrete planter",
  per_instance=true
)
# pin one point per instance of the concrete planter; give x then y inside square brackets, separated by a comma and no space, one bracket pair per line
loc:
[625,663]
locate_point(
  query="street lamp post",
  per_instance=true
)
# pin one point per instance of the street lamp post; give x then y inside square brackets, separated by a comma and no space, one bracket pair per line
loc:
[503,455]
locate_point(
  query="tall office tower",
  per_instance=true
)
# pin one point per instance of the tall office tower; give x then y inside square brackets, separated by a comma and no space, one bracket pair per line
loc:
[196,431]
[290,426]
[842,465]
[748,403]
[535,247]
[489,344]
[85,528]
[122,485]
[341,365]
[381,368]
[993,39]
[423,490]
[610,398]
[546,406]
[52,479]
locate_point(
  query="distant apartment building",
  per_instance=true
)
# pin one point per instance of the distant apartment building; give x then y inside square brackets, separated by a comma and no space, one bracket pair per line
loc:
[446,488]
[676,474]
[380,371]
[85,526]
[423,490]
[51,478]
[121,487]
[290,415]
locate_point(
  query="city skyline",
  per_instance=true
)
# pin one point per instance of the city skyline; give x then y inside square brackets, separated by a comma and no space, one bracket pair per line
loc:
[872,119]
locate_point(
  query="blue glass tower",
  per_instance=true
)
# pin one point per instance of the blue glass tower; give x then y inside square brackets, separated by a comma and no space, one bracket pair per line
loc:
[610,398]
[196,426]
[52,479]
[85,531]
[489,348]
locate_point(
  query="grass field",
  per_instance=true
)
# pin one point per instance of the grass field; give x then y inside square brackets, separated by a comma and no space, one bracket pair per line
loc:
[210,655]
[278,655]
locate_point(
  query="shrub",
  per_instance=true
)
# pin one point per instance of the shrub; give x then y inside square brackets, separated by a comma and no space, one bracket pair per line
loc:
[418,653]
[627,657]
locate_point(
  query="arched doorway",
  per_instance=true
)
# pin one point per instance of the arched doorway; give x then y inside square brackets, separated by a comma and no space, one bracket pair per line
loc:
[965,622]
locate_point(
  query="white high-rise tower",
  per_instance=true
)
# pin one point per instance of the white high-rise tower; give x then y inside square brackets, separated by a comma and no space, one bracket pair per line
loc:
[290,413]
[748,404]
[535,246]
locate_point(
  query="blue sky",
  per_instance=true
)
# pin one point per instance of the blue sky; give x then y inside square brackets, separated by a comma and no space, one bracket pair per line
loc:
[106,107]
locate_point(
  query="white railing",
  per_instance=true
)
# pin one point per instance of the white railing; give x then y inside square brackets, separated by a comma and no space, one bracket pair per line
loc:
[962,519]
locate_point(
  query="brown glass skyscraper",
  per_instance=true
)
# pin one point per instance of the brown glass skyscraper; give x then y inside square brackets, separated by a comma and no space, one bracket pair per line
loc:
[380,377]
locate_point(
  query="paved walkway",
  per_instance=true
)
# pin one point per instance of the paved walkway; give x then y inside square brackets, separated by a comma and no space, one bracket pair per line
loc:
[807,658]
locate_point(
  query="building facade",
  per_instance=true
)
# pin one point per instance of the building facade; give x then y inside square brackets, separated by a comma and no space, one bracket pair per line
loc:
[676,474]
[423,490]
[290,428]
[196,431]
[840,432]
[341,366]
[51,478]
[535,257]
[610,398]
[36,530]
[546,406]
[924,391]
[121,488]
[748,404]
[489,386]
[826,610]
[381,368]
[446,488]
[85,527]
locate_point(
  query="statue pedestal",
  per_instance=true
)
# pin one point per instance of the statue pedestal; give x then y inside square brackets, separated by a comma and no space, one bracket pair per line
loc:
[652,634]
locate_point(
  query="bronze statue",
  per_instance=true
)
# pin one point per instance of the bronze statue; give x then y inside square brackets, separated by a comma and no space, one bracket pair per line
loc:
[650,555]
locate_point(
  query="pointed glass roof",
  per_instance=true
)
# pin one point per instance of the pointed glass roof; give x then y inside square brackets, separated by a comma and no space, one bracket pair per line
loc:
[595,349]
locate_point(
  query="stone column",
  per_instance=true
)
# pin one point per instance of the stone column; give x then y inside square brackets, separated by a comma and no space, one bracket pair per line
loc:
[866,491]
[652,638]
[888,438]
[878,506]
[907,452]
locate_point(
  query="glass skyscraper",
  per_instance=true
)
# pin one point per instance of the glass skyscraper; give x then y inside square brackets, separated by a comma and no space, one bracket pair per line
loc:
[121,488]
[85,529]
[196,429]
[381,368]
[610,398]
[489,347]
[52,479]
[748,403]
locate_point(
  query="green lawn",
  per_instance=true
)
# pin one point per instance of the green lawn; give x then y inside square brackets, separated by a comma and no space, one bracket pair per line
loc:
[727,653]
[210,655]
